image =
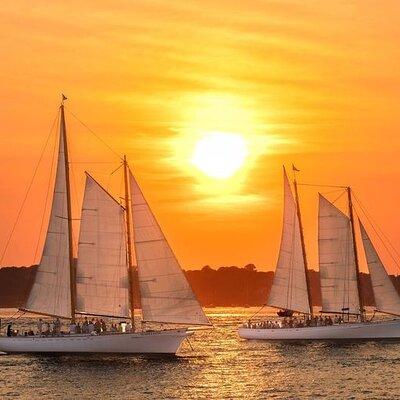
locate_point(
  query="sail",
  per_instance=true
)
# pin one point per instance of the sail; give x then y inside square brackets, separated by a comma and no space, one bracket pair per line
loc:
[102,272]
[386,297]
[289,287]
[166,295]
[50,293]
[337,266]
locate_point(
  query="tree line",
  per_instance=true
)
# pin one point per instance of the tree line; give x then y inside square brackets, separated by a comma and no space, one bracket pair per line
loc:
[224,286]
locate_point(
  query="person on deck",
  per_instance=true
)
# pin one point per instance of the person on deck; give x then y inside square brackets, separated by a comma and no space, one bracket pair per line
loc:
[91,327]
[103,326]
[39,325]
[85,326]
[46,328]
[72,328]
[97,327]
[9,330]
[57,326]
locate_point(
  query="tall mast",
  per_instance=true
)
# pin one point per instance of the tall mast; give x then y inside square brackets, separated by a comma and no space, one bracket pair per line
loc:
[69,213]
[129,240]
[360,299]
[303,246]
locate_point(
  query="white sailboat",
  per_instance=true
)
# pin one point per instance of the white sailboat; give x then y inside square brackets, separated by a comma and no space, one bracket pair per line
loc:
[101,283]
[339,276]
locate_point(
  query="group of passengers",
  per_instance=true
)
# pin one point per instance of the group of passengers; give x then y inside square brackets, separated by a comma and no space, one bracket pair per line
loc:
[88,326]
[54,328]
[296,322]
[98,327]
[49,327]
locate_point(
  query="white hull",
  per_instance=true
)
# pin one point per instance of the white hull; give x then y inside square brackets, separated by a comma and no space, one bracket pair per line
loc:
[358,331]
[156,342]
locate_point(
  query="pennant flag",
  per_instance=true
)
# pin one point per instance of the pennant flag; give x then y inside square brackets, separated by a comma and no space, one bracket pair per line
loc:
[295,169]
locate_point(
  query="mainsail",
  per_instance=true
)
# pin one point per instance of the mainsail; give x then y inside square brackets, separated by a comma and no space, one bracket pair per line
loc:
[386,297]
[50,293]
[337,266]
[166,295]
[289,288]
[102,272]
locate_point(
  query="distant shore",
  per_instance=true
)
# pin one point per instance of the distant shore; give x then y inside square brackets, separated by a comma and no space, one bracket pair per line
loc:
[223,287]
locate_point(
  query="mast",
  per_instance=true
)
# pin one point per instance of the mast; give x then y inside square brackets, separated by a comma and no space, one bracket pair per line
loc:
[69,213]
[129,240]
[360,299]
[303,246]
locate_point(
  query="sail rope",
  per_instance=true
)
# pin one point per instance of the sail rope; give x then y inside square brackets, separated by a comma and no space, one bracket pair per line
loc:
[257,312]
[49,186]
[22,206]
[94,133]
[76,206]
[339,197]
[289,295]
[380,234]
[11,319]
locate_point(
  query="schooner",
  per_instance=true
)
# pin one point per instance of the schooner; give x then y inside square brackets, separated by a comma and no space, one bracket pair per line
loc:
[339,277]
[101,283]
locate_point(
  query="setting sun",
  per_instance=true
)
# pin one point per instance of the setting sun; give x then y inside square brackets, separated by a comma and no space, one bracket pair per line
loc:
[220,155]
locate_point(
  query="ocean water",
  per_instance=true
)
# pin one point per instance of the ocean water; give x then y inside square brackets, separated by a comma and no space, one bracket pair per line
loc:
[220,366]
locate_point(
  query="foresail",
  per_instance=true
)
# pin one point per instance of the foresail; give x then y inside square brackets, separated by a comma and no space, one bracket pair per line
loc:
[386,297]
[102,272]
[50,293]
[166,295]
[337,266]
[289,287]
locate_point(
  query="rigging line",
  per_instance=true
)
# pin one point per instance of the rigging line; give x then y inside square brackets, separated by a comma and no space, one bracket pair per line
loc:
[315,185]
[379,234]
[28,190]
[75,200]
[337,198]
[46,200]
[12,319]
[73,196]
[373,222]
[291,264]
[257,312]
[92,162]
[332,191]
[94,134]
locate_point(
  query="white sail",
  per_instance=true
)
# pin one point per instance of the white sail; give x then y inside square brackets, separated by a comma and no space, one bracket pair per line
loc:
[289,287]
[166,295]
[386,297]
[50,293]
[337,266]
[102,273]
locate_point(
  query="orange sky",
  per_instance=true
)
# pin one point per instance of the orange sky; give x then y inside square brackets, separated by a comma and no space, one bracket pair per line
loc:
[314,83]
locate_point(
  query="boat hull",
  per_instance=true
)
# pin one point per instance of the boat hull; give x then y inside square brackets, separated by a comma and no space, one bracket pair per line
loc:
[156,342]
[359,331]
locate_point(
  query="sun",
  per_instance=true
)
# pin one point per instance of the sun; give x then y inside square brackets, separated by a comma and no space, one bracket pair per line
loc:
[220,155]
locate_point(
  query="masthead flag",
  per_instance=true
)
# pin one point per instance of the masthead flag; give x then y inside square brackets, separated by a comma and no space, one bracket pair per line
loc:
[294,168]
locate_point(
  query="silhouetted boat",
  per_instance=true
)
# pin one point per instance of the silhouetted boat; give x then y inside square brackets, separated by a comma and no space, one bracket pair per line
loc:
[101,284]
[339,275]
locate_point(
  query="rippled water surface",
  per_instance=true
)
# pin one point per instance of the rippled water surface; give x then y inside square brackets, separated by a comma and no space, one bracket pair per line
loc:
[220,366]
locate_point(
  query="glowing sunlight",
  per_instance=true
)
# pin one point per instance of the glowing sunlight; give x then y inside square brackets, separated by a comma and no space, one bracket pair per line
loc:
[220,155]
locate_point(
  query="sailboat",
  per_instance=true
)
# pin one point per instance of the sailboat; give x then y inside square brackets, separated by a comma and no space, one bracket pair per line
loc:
[100,284]
[339,276]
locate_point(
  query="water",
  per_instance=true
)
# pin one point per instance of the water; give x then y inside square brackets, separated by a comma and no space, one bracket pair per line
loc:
[221,366]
